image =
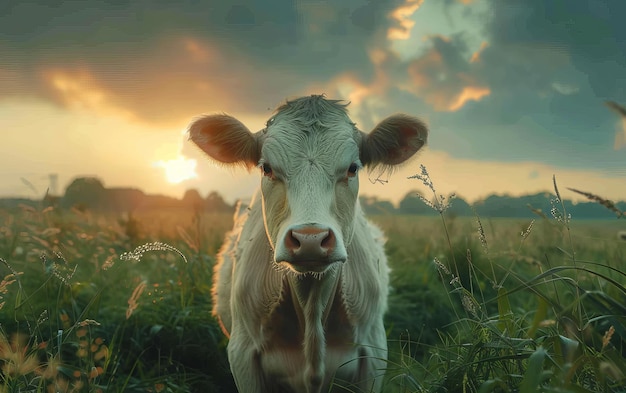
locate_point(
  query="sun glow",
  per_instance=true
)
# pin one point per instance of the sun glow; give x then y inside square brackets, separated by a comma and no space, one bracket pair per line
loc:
[179,169]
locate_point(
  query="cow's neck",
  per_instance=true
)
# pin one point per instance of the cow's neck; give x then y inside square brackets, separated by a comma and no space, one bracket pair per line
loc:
[312,300]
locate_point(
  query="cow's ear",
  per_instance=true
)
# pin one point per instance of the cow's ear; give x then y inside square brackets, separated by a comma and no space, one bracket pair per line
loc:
[393,141]
[225,139]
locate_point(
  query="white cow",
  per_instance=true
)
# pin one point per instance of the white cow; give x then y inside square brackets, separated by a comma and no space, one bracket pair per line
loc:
[302,280]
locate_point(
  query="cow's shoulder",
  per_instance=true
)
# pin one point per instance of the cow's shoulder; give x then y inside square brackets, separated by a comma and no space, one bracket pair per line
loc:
[224,267]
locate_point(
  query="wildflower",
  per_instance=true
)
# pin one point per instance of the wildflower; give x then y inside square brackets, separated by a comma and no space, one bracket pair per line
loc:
[8,280]
[109,262]
[527,231]
[82,332]
[13,353]
[88,322]
[103,353]
[95,371]
[469,304]
[602,201]
[4,284]
[561,217]
[440,203]
[59,270]
[132,301]
[440,266]
[138,252]
[606,340]
[481,234]
[65,319]
[49,369]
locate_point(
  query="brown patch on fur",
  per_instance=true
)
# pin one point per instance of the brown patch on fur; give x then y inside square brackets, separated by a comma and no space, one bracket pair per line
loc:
[279,326]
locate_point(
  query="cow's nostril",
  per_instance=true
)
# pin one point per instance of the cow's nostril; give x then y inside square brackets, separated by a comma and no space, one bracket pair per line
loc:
[291,242]
[329,241]
[310,242]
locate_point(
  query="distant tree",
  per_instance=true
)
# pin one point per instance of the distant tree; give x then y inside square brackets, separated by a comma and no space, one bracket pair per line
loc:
[124,199]
[160,202]
[373,205]
[193,200]
[85,193]
[215,202]
[498,206]
[412,204]
[459,207]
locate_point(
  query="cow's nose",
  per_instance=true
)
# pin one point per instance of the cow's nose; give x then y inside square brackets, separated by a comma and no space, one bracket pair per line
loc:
[310,243]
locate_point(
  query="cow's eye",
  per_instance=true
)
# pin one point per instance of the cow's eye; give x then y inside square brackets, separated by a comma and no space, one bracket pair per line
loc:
[267,170]
[353,169]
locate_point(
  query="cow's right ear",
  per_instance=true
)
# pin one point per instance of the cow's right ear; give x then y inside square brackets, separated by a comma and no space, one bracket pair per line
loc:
[225,139]
[393,141]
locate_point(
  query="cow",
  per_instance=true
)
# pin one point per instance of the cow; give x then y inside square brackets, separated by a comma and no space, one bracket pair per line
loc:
[301,283]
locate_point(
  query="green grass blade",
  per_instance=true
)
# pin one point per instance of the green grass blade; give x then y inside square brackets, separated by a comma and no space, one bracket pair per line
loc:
[540,315]
[505,314]
[532,377]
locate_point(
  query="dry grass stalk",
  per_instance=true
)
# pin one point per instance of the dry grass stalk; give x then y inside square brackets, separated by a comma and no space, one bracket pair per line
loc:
[602,201]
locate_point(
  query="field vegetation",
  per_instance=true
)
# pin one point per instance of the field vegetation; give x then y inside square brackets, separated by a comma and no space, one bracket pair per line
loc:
[107,303]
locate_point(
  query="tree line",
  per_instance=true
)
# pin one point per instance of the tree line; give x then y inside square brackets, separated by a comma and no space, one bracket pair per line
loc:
[526,206]
[89,193]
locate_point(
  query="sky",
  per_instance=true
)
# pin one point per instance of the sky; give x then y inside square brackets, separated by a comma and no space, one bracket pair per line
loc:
[513,91]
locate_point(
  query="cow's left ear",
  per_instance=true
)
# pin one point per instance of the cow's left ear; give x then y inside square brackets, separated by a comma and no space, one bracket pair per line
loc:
[226,140]
[393,141]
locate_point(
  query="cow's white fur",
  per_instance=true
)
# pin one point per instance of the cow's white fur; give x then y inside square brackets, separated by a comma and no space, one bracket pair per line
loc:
[289,330]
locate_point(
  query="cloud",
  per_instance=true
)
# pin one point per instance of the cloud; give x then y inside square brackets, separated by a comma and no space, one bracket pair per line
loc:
[589,32]
[184,77]
[547,68]
[476,55]
[78,89]
[164,63]
[403,24]
[506,81]
[444,78]
[564,88]
[469,93]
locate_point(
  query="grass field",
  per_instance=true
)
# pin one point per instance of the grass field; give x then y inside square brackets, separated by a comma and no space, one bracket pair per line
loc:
[110,304]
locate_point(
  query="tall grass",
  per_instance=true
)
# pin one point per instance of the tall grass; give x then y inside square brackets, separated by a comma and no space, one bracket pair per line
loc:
[86,309]
[521,318]
[90,303]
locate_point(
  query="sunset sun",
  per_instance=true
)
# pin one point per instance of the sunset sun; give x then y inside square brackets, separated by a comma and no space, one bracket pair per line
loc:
[179,169]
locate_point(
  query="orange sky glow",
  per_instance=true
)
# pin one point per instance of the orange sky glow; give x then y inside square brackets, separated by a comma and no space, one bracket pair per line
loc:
[506,112]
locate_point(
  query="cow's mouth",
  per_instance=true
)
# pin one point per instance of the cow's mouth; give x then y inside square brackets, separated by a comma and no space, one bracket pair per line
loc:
[309,266]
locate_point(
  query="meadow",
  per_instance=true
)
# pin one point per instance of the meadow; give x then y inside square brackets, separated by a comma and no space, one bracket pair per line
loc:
[93,303]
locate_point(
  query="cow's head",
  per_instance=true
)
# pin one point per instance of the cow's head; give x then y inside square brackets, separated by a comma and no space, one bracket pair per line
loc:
[309,155]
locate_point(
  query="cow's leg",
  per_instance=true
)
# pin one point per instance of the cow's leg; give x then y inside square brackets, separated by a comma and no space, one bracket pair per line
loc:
[245,365]
[370,371]
[372,363]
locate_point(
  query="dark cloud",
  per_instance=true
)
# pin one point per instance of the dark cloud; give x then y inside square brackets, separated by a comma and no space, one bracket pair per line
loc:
[533,92]
[591,32]
[161,61]
[579,43]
